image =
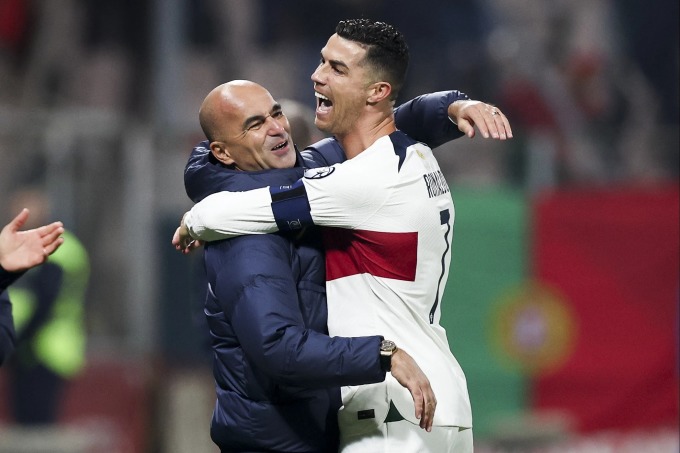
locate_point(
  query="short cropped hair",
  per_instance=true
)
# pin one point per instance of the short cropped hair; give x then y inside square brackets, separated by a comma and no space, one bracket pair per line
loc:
[387,51]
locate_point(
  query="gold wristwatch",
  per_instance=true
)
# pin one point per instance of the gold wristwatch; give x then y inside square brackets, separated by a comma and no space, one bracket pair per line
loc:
[387,350]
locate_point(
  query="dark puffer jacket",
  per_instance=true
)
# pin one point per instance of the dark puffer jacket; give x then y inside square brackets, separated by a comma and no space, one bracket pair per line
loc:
[277,372]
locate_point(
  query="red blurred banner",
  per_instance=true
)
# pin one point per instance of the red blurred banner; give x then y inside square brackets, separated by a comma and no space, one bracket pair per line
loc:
[613,255]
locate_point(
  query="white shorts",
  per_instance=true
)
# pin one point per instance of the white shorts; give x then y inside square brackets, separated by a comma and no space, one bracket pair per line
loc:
[405,437]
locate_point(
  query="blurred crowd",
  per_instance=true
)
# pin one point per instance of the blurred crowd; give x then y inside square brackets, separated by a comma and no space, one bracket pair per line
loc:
[592,83]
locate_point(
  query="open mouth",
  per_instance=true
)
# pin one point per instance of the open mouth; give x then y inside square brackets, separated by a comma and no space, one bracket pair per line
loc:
[280,146]
[323,104]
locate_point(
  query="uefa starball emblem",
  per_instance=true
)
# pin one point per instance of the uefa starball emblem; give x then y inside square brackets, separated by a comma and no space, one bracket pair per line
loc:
[318,173]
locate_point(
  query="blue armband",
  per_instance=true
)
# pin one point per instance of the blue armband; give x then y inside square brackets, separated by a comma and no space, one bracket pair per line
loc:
[291,206]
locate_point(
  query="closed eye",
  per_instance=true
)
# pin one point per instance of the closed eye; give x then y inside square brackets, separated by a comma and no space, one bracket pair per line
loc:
[254,125]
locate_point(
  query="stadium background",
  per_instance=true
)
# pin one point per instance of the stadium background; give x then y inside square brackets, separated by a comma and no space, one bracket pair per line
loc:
[562,305]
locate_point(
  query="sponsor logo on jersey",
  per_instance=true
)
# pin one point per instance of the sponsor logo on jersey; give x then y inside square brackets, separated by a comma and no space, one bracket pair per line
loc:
[318,173]
[436,184]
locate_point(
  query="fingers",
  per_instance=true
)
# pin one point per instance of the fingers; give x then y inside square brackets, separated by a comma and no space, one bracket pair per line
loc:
[19,220]
[505,125]
[423,399]
[489,119]
[407,372]
[187,241]
[50,233]
[51,237]
[466,128]
[183,242]
[425,403]
[430,405]
[418,402]
[501,126]
[497,123]
[175,239]
[50,247]
[191,246]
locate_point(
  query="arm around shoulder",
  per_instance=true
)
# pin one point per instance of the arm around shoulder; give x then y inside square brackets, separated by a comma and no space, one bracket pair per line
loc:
[426,118]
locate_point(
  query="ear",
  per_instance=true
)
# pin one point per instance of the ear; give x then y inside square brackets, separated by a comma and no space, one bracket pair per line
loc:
[378,92]
[221,153]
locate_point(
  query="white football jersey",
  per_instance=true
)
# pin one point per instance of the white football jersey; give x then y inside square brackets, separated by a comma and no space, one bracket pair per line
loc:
[389,218]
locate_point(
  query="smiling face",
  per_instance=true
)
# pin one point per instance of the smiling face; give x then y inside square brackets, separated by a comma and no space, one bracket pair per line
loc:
[247,128]
[341,84]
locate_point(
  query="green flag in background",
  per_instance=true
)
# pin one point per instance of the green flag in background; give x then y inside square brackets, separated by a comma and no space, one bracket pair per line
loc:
[489,261]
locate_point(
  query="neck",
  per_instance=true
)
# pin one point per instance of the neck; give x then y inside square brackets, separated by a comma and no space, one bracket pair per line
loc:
[365,132]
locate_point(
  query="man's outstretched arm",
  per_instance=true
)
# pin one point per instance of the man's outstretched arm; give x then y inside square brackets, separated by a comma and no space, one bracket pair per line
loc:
[426,117]
[433,119]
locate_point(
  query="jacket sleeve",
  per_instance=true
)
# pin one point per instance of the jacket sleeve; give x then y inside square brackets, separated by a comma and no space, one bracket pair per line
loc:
[426,118]
[197,177]
[204,175]
[258,295]
[7,335]
[7,278]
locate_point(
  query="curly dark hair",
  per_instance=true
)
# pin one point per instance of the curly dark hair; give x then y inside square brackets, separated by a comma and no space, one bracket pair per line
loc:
[387,51]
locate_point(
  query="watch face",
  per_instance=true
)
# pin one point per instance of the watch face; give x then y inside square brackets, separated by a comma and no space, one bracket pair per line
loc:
[387,346]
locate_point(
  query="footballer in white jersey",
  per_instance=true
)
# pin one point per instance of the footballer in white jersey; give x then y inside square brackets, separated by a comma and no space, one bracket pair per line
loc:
[389,218]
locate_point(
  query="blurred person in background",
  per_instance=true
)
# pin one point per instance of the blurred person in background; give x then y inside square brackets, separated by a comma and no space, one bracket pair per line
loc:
[48,306]
[20,251]
[586,111]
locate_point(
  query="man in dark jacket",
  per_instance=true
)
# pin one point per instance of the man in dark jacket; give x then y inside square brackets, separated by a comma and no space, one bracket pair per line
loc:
[20,251]
[276,370]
